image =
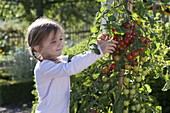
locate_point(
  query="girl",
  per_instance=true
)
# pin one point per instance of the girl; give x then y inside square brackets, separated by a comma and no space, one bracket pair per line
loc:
[45,39]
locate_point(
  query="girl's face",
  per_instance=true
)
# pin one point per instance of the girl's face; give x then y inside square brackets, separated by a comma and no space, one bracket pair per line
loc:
[52,46]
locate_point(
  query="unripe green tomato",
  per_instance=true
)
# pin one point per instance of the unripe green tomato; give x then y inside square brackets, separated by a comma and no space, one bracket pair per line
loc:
[137,85]
[138,107]
[143,58]
[133,108]
[106,86]
[125,111]
[134,74]
[126,103]
[134,100]
[132,91]
[143,110]
[135,68]
[133,86]
[128,67]
[131,96]
[144,73]
[117,58]
[104,78]
[138,79]
[126,91]
[126,80]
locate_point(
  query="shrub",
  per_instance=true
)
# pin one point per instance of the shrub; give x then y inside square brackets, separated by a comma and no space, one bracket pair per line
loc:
[22,65]
[14,92]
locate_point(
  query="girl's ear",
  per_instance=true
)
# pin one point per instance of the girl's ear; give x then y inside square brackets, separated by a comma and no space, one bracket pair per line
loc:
[37,48]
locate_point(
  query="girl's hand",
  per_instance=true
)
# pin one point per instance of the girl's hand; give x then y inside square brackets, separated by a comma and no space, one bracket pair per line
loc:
[101,38]
[108,46]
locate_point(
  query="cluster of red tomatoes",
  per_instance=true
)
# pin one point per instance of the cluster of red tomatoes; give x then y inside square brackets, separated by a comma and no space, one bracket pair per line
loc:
[128,48]
[128,59]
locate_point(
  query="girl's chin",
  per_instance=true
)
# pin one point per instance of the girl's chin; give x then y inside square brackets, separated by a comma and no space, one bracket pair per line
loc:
[59,53]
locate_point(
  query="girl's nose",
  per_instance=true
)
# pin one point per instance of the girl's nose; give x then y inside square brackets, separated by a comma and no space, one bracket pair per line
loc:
[59,44]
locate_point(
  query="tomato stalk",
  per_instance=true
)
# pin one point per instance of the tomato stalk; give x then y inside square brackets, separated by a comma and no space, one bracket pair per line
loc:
[120,80]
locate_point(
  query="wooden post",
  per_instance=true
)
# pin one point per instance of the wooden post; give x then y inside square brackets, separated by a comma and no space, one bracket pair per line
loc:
[154,9]
[129,5]
[103,21]
[39,8]
[120,82]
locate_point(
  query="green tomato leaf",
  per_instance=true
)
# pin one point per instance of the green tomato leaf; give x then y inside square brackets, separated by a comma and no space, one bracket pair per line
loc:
[148,3]
[166,86]
[94,29]
[141,10]
[148,88]
[111,18]
[151,19]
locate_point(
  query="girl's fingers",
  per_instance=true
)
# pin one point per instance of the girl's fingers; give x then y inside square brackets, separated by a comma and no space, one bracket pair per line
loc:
[99,41]
[105,34]
[114,41]
[111,48]
[109,51]
[112,44]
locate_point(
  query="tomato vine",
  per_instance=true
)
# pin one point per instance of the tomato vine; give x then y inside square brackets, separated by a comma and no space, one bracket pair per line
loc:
[119,82]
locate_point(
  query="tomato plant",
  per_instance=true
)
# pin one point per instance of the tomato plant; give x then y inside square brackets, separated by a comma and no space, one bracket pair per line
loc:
[125,83]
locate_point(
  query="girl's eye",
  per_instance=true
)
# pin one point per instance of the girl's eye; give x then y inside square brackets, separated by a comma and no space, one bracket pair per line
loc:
[53,41]
[61,39]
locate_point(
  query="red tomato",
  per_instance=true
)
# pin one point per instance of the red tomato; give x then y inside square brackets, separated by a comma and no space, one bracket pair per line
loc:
[113,29]
[127,35]
[119,39]
[141,49]
[147,40]
[105,70]
[134,63]
[126,41]
[117,51]
[115,37]
[142,39]
[127,25]
[133,27]
[112,66]
[135,53]
[147,44]
[122,43]
[134,33]
[132,40]
[130,57]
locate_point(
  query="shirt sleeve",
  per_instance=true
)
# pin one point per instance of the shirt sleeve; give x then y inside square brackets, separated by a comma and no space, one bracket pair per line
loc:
[77,64]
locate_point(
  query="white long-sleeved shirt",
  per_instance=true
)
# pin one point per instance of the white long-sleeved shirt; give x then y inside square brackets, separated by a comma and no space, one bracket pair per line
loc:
[53,81]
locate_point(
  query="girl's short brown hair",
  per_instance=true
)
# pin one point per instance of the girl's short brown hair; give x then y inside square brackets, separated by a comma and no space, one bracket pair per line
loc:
[38,31]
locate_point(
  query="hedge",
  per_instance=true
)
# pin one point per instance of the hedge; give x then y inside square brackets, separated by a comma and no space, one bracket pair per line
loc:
[13,92]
